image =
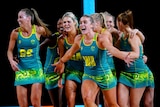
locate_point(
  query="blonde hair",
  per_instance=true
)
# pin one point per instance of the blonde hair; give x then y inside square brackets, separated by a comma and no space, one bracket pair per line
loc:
[72,16]
[35,19]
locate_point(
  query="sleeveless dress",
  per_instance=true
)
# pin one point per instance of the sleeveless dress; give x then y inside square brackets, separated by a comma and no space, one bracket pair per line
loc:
[137,75]
[30,66]
[74,67]
[51,77]
[96,67]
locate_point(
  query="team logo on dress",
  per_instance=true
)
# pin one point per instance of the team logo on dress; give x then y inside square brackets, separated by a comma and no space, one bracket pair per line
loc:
[19,42]
[32,41]
[92,48]
[81,47]
[67,47]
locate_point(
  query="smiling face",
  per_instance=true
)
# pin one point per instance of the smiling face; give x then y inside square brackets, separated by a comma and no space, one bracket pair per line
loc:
[109,22]
[68,24]
[60,25]
[86,24]
[23,19]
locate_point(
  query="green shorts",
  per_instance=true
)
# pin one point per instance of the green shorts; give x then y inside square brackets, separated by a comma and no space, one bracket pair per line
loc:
[30,76]
[134,80]
[105,81]
[51,80]
[74,75]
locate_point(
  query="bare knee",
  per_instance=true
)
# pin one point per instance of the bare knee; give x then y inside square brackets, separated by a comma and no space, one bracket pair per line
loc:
[36,101]
[87,99]
[148,103]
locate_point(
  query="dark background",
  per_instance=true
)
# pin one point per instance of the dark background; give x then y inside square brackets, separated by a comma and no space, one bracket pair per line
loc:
[145,19]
